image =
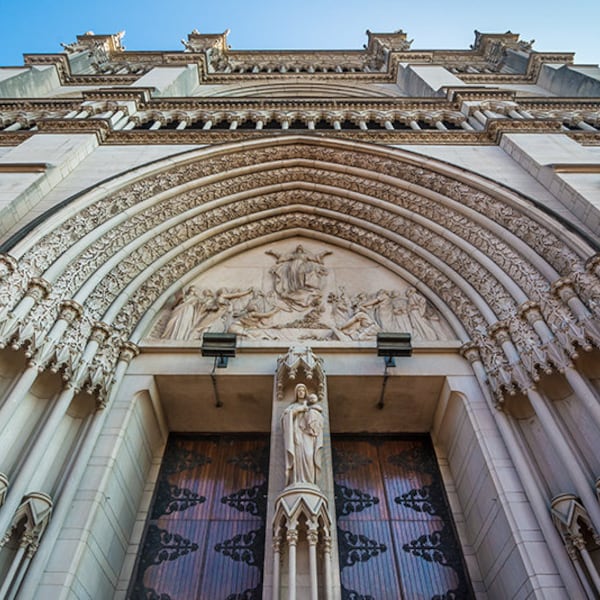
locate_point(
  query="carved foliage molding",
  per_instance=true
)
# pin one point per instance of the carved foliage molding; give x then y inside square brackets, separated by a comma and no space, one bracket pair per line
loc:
[461,209]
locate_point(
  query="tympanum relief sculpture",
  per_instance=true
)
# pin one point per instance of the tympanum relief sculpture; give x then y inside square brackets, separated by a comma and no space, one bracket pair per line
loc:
[300,301]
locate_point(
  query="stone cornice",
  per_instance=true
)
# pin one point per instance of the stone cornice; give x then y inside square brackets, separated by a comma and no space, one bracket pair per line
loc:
[211,103]
[39,104]
[99,127]
[14,138]
[460,94]
[455,96]
[137,94]
[359,77]
[559,103]
[198,136]
[498,127]
[23,167]
[490,136]
[586,139]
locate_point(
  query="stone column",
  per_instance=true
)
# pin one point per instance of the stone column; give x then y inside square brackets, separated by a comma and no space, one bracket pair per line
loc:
[44,437]
[37,290]
[536,496]
[327,550]
[566,455]
[276,560]
[589,592]
[63,503]
[582,389]
[541,406]
[579,543]
[292,540]
[313,539]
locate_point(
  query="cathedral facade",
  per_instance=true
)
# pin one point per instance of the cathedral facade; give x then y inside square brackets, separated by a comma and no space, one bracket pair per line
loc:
[300,324]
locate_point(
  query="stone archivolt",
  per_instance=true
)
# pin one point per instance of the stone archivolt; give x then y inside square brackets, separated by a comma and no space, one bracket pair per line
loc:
[472,247]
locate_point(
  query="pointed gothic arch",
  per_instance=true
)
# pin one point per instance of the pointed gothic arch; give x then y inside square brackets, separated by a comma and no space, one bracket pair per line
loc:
[481,253]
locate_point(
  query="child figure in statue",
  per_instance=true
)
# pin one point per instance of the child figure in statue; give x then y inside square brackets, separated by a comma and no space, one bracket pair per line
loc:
[302,424]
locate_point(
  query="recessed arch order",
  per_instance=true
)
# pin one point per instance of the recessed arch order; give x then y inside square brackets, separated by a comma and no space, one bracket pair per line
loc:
[476,249]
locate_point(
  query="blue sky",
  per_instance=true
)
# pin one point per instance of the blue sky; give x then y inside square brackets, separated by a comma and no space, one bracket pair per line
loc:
[556,25]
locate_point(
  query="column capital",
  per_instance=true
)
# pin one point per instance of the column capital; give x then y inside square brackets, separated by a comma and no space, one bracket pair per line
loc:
[70,310]
[128,351]
[530,311]
[100,331]
[593,264]
[8,265]
[578,542]
[38,288]
[292,537]
[470,351]
[563,288]
[500,331]
[312,535]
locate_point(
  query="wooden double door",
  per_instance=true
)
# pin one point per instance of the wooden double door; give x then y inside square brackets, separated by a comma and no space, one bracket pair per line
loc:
[205,533]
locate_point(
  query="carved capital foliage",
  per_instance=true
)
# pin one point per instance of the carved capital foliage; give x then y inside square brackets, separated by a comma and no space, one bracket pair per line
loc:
[470,351]
[70,310]
[129,351]
[38,288]
[8,265]
[593,265]
[410,215]
[530,311]
[500,331]
[100,331]
[563,288]
[292,537]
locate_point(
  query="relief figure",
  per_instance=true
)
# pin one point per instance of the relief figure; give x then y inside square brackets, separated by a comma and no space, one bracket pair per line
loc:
[297,276]
[419,319]
[220,311]
[183,316]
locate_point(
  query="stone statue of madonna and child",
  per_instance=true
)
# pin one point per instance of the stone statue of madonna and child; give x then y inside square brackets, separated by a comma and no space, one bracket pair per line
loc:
[302,423]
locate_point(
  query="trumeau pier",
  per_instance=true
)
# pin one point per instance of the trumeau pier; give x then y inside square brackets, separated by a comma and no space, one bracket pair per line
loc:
[305,201]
